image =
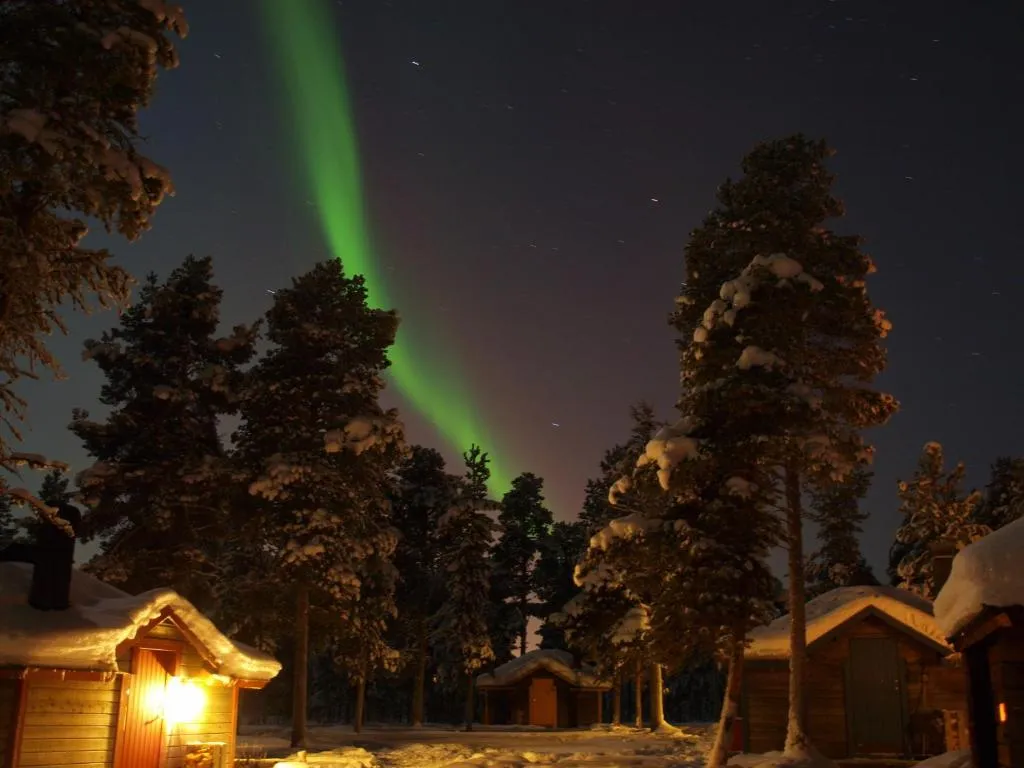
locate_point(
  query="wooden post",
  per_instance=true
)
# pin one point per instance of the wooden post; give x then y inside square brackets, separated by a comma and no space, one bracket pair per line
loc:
[600,707]
[487,706]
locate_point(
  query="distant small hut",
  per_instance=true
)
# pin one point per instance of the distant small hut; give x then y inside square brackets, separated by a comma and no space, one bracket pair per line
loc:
[981,610]
[546,688]
[93,676]
[879,677]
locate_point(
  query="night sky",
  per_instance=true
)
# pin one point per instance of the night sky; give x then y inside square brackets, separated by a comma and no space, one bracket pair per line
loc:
[533,169]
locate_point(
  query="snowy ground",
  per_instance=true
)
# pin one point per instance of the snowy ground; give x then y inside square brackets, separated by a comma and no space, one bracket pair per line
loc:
[444,747]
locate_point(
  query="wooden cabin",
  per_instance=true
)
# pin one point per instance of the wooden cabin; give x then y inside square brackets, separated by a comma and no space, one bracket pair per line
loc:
[879,677]
[981,609]
[545,688]
[98,678]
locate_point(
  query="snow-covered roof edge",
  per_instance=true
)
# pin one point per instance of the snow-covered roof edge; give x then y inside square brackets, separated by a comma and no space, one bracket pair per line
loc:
[101,617]
[557,662]
[833,609]
[985,574]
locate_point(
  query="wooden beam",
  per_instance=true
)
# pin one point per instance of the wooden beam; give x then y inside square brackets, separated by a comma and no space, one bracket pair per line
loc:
[58,675]
[253,685]
[122,720]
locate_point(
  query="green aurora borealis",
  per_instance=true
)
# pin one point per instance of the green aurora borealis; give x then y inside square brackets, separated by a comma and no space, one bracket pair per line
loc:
[309,61]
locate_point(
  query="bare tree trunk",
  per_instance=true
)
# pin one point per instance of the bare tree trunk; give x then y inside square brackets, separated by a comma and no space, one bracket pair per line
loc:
[300,681]
[617,700]
[470,710]
[523,604]
[796,734]
[420,680]
[730,705]
[638,691]
[357,721]
[657,693]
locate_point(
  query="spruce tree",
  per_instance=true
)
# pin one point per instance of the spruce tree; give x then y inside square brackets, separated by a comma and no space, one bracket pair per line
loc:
[553,578]
[525,522]
[467,532]
[55,488]
[1004,495]
[316,448]
[423,492]
[8,524]
[361,643]
[783,353]
[75,75]
[838,562]
[155,494]
[617,462]
[935,511]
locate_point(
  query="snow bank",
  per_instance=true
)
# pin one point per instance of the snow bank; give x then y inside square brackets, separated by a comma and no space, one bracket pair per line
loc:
[985,573]
[101,617]
[961,759]
[832,609]
[558,663]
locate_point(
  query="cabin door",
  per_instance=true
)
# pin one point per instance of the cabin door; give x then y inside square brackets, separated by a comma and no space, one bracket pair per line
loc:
[543,702]
[142,738]
[874,697]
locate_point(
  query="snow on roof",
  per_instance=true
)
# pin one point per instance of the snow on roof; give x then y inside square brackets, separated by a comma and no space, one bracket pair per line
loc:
[986,573]
[86,635]
[559,663]
[832,609]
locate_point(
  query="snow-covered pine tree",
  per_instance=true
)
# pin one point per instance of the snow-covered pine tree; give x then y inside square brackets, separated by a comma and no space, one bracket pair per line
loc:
[9,528]
[553,583]
[935,511]
[68,145]
[316,448]
[525,522]
[838,561]
[617,462]
[589,620]
[155,495]
[789,346]
[422,493]
[467,532]
[361,645]
[1004,495]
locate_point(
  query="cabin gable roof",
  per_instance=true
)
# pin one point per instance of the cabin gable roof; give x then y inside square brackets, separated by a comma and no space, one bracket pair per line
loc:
[86,636]
[834,611]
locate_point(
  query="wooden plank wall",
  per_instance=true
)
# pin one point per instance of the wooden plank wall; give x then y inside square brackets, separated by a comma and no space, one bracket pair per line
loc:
[8,711]
[215,722]
[767,690]
[1006,660]
[70,723]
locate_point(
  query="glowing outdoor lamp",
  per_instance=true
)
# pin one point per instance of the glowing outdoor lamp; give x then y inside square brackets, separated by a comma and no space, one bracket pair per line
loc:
[183,701]
[1002,712]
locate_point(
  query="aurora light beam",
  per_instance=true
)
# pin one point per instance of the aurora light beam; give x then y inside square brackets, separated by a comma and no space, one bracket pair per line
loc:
[303,36]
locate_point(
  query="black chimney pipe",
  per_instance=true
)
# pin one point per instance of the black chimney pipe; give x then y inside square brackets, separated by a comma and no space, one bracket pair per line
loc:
[52,557]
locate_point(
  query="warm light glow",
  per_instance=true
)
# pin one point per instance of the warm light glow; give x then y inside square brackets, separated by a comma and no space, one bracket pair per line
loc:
[1002,712]
[183,701]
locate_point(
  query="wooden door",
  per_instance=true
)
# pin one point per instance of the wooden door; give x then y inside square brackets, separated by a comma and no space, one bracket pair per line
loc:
[543,702]
[142,737]
[874,697]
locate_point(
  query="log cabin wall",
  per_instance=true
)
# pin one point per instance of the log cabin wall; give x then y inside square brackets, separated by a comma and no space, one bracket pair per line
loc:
[67,723]
[1006,664]
[587,707]
[929,683]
